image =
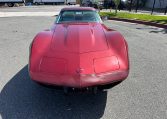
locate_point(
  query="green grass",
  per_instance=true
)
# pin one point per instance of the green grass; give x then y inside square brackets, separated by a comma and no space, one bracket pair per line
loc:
[143,17]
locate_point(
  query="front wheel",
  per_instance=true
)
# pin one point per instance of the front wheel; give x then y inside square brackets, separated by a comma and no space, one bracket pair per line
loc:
[10,4]
[66,90]
[95,90]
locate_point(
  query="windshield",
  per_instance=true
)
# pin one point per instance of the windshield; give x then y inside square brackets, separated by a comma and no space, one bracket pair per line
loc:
[78,16]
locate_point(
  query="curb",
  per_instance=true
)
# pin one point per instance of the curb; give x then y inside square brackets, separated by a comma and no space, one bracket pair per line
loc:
[141,22]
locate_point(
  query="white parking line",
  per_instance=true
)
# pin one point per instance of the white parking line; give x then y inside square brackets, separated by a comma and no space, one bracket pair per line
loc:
[18,14]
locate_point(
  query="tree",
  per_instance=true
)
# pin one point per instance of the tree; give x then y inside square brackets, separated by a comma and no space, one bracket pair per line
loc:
[153,7]
[116,2]
[165,10]
[137,5]
[143,2]
[80,2]
[131,1]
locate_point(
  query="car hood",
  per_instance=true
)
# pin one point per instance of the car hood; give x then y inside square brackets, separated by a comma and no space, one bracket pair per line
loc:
[79,37]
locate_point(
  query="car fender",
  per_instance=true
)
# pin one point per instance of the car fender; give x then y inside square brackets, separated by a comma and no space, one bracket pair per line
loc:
[119,46]
[38,48]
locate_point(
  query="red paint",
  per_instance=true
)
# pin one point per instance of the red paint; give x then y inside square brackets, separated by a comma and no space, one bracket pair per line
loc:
[79,55]
[79,38]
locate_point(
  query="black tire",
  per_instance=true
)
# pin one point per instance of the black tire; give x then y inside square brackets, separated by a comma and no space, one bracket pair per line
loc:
[43,85]
[95,90]
[10,4]
[66,90]
[36,3]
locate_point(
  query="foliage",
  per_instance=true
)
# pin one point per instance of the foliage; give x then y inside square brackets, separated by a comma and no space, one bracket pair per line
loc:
[142,3]
[116,2]
[144,17]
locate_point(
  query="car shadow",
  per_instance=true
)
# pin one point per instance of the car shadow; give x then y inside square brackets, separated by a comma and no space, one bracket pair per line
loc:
[155,30]
[164,31]
[21,98]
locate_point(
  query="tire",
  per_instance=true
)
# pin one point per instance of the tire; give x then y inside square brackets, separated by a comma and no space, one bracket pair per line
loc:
[95,90]
[66,90]
[10,4]
[36,3]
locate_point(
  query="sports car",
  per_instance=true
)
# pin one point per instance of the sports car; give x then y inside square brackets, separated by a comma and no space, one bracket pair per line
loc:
[78,51]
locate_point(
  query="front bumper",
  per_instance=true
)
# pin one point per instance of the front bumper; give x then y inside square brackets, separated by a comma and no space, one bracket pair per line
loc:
[79,80]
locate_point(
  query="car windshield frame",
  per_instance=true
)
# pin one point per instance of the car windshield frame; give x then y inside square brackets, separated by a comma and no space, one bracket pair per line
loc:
[77,13]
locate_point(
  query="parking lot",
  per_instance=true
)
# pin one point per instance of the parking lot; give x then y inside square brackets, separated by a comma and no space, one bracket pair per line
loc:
[143,95]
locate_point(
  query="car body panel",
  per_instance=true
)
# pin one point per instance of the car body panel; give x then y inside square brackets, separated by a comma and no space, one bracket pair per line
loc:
[78,55]
[79,38]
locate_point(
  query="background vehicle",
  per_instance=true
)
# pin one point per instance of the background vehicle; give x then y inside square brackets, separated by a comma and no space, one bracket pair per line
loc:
[85,3]
[92,3]
[101,4]
[48,1]
[71,2]
[109,4]
[11,3]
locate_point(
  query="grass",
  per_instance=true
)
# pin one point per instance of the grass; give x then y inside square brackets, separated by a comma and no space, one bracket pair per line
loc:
[143,17]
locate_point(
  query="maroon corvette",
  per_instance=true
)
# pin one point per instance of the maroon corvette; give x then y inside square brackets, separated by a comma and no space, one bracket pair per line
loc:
[78,51]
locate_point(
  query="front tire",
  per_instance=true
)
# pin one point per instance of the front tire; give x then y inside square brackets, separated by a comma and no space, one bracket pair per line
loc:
[95,90]
[10,4]
[66,90]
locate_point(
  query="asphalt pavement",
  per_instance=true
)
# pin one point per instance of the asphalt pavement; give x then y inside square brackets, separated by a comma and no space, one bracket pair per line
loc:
[34,8]
[41,10]
[143,95]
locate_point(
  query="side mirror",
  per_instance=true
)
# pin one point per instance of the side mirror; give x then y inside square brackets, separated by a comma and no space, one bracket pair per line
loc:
[104,18]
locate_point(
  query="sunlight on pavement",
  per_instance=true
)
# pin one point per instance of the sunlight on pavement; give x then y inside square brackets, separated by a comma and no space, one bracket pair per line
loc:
[13,14]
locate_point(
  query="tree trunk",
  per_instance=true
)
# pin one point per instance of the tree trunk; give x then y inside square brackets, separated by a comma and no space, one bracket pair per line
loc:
[137,5]
[130,5]
[165,10]
[116,8]
[153,7]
